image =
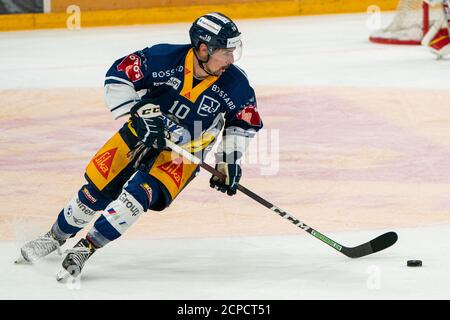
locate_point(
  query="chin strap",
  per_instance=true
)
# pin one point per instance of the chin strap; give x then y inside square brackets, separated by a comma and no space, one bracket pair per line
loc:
[201,62]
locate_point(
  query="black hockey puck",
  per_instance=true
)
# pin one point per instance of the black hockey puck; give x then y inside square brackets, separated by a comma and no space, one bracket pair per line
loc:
[414,263]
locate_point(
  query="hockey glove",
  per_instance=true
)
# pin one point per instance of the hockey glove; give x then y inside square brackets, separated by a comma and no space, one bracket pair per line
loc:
[149,124]
[233,174]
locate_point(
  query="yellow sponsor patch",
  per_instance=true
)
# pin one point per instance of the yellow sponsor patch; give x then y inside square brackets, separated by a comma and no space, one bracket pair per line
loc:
[173,173]
[104,161]
[108,162]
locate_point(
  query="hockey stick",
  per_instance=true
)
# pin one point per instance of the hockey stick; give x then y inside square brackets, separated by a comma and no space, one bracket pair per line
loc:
[379,243]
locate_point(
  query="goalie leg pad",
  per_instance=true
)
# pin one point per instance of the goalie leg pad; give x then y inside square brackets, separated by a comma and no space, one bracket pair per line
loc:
[437,38]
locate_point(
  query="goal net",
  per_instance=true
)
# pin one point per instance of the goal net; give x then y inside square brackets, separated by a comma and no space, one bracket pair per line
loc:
[411,22]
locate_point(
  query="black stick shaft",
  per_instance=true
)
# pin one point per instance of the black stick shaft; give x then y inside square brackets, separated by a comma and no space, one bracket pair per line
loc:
[274,208]
[380,243]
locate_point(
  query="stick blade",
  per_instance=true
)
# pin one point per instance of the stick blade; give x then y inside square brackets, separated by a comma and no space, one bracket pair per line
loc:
[379,243]
[384,241]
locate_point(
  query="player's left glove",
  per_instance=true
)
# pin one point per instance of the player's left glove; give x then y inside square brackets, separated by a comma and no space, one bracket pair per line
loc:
[233,174]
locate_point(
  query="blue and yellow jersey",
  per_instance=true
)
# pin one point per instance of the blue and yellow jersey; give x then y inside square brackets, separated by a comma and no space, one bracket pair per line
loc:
[165,72]
[192,108]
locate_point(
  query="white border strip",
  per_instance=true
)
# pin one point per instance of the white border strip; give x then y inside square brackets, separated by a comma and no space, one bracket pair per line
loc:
[120,80]
[47,6]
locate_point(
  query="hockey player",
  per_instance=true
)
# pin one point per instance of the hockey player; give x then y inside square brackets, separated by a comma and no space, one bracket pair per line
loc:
[437,38]
[186,93]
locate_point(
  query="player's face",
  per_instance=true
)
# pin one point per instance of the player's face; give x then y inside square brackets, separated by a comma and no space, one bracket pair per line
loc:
[220,61]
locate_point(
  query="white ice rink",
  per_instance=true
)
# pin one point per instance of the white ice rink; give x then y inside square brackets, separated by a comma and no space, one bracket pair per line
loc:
[307,52]
[271,267]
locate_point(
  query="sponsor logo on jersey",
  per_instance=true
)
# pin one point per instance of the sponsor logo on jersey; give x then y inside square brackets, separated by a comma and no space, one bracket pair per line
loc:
[129,204]
[250,115]
[131,65]
[88,195]
[104,161]
[167,73]
[174,82]
[174,169]
[208,106]
[148,191]
[229,103]
[111,211]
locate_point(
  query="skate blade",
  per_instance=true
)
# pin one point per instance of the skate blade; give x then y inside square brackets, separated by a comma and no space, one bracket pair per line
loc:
[21,260]
[62,275]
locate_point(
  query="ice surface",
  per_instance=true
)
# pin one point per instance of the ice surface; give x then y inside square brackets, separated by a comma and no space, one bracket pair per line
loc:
[266,267]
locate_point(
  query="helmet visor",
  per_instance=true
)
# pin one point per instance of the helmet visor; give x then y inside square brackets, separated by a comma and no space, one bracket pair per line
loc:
[231,53]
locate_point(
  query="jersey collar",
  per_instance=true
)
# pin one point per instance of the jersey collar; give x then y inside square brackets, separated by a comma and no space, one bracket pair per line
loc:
[188,91]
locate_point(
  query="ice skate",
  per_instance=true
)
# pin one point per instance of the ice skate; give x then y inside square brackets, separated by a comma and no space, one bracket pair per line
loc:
[39,248]
[75,259]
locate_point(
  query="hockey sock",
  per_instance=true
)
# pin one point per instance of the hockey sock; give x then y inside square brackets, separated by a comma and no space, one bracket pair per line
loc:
[79,212]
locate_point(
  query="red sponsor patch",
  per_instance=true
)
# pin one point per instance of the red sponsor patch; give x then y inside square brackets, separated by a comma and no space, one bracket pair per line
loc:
[250,115]
[103,162]
[174,169]
[131,65]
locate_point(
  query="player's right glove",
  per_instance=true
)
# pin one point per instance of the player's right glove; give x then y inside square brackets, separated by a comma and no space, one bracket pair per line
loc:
[149,124]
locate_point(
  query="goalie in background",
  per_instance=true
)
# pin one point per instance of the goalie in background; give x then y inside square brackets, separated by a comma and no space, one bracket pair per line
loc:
[437,38]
